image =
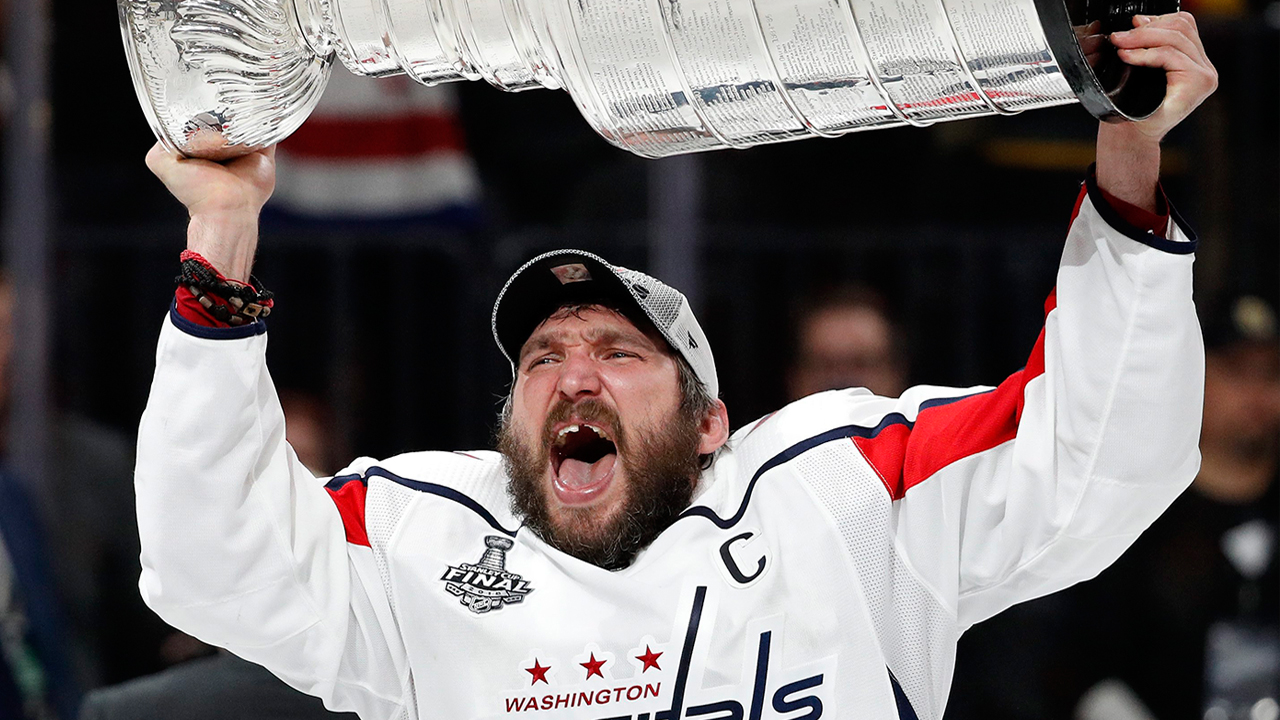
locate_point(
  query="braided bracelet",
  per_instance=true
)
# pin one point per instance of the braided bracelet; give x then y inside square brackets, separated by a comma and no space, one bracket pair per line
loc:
[227,300]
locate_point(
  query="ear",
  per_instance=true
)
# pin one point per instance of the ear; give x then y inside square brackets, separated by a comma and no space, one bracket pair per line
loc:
[714,431]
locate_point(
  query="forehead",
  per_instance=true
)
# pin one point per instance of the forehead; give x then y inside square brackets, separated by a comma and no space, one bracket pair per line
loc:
[590,323]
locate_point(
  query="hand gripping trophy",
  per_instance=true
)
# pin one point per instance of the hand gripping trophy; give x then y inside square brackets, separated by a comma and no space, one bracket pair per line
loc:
[222,78]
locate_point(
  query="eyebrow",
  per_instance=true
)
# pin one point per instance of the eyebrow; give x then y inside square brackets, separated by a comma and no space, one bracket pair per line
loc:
[608,336]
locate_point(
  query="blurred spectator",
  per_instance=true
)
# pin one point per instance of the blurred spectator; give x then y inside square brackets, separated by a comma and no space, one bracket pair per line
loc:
[36,679]
[222,685]
[376,150]
[311,431]
[1184,625]
[90,543]
[845,338]
[35,674]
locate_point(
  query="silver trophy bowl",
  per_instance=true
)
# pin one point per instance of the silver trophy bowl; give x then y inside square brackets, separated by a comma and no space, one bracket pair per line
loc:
[222,78]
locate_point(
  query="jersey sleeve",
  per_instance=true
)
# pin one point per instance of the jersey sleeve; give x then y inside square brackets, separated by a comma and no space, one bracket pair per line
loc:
[241,546]
[1002,495]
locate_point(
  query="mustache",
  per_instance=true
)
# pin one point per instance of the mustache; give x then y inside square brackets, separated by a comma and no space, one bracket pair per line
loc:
[591,411]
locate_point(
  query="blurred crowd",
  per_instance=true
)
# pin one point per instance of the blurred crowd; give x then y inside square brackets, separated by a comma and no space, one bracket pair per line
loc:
[1183,626]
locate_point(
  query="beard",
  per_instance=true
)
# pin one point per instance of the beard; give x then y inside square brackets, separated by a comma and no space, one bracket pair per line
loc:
[661,467]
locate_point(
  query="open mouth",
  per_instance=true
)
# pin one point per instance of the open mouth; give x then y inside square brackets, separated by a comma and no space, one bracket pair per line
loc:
[583,458]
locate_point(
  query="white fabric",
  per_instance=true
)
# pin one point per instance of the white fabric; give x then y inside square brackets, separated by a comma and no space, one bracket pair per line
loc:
[836,586]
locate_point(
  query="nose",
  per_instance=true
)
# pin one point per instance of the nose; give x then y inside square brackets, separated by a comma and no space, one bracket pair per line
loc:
[579,377]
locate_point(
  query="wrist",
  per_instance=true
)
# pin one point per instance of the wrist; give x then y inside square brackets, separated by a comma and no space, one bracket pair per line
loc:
[228,240]
[1129,164]
[208,298]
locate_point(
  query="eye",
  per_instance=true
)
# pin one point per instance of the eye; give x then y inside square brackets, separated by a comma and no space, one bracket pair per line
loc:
[620,354]
[540,360]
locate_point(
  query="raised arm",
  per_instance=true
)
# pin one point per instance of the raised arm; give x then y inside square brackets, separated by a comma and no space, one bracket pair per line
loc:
[241,546]
[1011,493]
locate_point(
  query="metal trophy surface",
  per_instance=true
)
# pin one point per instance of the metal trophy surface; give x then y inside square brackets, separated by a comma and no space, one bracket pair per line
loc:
[221,78]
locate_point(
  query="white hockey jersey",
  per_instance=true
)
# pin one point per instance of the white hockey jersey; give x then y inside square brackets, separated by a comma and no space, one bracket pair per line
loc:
[834,553]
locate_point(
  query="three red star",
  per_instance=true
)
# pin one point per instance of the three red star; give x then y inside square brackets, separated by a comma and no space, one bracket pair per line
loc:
[538,672]
[650,659]
[593,666]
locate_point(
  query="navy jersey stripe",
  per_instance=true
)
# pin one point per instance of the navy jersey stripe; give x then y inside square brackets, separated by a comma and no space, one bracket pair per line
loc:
[791,453]
[905,711]
[447,493]
[239,332]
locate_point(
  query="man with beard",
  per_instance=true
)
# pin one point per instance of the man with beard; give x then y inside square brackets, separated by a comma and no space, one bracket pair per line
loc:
[622,556]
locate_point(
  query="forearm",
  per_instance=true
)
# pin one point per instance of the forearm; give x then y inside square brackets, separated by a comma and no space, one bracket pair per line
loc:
[227,240]
[1129,165]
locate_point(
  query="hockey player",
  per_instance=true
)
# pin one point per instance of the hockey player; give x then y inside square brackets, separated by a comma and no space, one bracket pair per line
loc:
[623,555]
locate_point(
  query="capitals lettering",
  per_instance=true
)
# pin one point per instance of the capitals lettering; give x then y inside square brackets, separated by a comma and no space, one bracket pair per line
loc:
[731,709]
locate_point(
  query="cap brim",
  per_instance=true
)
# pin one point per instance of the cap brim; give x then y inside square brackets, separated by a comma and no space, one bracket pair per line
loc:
[549,282]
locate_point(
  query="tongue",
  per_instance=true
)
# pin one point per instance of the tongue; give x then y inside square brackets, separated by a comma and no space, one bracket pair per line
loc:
[576,473]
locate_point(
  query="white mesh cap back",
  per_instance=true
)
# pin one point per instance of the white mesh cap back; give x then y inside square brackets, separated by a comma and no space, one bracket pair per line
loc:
[669,311]
[666,307]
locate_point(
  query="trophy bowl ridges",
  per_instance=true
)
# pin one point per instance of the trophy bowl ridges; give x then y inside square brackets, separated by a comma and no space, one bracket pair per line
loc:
[219,79]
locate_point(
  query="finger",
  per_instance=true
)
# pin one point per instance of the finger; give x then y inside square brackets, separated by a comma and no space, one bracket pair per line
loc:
[1186,77]
[1194,33]
[158,158]
[1165,57]
[1182,22]
[251,160]
[1150,37]
[1091,44]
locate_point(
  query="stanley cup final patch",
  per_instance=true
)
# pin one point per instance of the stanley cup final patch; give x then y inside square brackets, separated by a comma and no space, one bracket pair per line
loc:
[486,585]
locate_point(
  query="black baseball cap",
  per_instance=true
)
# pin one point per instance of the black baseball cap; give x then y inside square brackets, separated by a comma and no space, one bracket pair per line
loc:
[561,277]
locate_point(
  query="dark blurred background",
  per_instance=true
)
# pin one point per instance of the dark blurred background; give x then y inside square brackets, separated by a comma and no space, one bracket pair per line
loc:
[381,327]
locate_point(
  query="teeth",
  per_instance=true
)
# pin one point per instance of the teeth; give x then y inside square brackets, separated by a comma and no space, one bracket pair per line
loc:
[564,432]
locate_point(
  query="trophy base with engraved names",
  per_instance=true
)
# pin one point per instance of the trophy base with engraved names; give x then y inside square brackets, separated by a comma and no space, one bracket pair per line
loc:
[222,78]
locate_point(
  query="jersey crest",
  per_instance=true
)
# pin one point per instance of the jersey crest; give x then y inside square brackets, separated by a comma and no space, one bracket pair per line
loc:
[487,585]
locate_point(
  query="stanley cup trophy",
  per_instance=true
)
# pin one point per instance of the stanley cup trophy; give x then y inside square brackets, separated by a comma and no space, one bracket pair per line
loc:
[222,78]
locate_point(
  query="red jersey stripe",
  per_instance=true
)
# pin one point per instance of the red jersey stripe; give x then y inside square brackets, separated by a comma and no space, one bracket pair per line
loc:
[399,136]
[349,498]
[907,454]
